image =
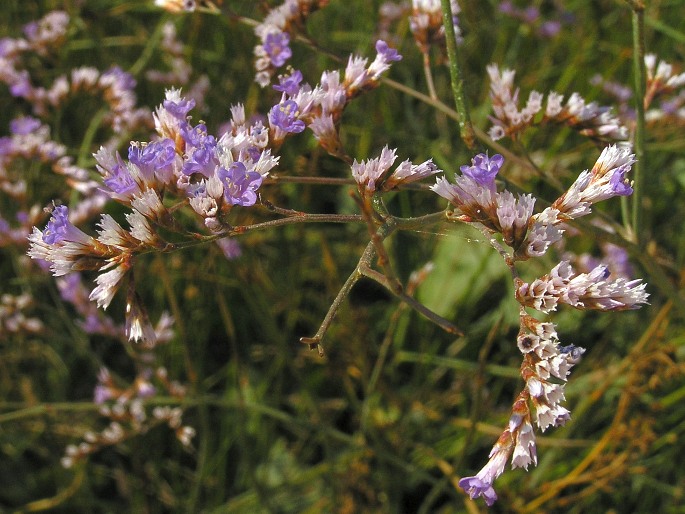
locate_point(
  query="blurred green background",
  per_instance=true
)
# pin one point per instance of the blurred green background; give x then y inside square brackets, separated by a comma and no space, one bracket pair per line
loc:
[397,410]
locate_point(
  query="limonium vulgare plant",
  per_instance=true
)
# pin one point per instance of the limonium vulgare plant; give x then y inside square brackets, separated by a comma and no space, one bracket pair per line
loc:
[185,186]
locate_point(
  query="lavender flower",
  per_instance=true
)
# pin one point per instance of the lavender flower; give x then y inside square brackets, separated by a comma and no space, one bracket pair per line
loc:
[474,193]
[606,180]
[138,326]
[200,150]
[276,47]
[326,133]
[483,169]
[155,160]
[108,284]
[289,84]
[407,172]
[45,33]
[385,55]
[477,487]
[118,177]
[359,78]
[176,105]
[481,484]
[24,125]
[285,117]
[59,229]
[172,114]
[514,216]
[240,185]
[426,24]
[230,248]
[543,232]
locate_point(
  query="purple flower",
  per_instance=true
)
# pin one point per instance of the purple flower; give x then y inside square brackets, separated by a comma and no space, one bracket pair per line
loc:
[230,247]
[101,394]
[550,28]
[200,148]
[507,7]
[239,184]
[120,180]
[483,168]
[284,116]
[180,108]
[48,29]
[619,183]
[31,30]
[56,229]
[6,146]
[289,84]
[123,79]
[69,287]
[59,228]
[475,488]
[389,54]
[530,14]
[24,125]
[156,158]
[21,86]
[276,47]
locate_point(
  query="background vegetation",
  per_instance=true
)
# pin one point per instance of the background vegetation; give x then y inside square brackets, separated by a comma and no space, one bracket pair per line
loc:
[397,410]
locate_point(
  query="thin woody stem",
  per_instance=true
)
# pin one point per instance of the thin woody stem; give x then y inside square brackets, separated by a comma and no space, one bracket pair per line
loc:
[364,269]
[446,325]
[315,341]
[429,76]
[377,237]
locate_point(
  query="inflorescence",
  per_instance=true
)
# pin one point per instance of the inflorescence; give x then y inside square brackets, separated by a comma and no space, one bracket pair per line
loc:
[186,167]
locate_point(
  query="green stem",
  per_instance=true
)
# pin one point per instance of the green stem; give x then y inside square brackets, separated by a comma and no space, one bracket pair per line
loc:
[149,49]
[639,72]
[465,127]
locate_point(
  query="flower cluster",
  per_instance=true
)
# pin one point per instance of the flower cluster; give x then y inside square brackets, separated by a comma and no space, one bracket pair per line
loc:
[374,174]
[30,141]
[663,84]
[186,168]
[211,175]
[274,33]
[589,119]
[543,360]
[69,249]
[531,17]
[591,290]
[43,38]
[426,23]
[474,194]
[661,80]
[13,318]
[94,321]
[187,162]
[320,108]
[125,409]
